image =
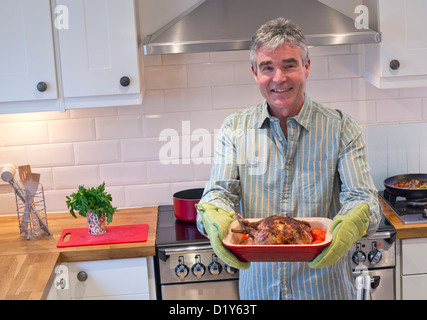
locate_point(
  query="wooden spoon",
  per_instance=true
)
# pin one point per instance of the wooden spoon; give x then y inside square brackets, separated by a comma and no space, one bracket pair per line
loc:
[24,171]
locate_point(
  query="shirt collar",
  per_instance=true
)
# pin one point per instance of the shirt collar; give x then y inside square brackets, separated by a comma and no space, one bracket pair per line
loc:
[264,114]
[303,117]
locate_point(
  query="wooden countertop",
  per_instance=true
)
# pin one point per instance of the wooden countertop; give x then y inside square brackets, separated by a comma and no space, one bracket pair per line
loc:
[404,231]
[26,266]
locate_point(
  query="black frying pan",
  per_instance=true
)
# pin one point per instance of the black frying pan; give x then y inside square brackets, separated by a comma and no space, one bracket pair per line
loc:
[409,194]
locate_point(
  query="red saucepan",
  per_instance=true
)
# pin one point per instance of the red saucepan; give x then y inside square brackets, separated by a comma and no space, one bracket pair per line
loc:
[409,194]
[184,204]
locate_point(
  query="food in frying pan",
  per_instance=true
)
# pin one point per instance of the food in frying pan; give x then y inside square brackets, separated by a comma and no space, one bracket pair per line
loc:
[274,230]
[411,184]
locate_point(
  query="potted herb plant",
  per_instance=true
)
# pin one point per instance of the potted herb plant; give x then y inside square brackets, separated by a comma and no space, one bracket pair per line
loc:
[95,204]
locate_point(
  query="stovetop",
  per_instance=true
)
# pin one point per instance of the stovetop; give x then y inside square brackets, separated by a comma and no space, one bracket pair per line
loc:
[407,212]
[172,232]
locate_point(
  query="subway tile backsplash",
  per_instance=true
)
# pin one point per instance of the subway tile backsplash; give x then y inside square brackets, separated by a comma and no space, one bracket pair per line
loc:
[147,152]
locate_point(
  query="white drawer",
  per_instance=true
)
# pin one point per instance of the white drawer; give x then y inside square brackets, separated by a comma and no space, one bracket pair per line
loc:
[414,257]
[414,287]
[127,277]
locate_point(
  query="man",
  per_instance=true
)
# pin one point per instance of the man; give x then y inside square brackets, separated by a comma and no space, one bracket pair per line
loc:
[290,155]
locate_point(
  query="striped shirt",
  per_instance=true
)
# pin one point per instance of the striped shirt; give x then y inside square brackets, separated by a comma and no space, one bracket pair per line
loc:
[321,170]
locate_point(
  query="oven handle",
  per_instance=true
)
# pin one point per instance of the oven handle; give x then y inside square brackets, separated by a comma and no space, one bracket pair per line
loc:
[164,253]
[383,235]
[380,235]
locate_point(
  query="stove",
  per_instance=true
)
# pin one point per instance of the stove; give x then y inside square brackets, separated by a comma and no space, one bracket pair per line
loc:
[186,267]
[409,212]
[375,254]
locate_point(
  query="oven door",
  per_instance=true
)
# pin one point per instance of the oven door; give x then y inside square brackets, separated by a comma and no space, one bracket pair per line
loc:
[212,290]
[382,283]
[385,289]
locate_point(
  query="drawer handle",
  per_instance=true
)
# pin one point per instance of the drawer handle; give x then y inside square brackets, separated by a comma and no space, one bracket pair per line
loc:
[394,64]
[82,276]
[124,81]
[41,86]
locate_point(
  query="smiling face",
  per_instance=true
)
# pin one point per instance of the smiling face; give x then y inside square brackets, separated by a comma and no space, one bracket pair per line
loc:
[281,77]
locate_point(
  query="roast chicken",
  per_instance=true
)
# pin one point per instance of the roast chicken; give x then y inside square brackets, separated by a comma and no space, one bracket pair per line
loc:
[274,230]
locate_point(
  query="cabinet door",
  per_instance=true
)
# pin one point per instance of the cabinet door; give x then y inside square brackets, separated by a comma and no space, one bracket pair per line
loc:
[26,54]
[403,24]
[98,48]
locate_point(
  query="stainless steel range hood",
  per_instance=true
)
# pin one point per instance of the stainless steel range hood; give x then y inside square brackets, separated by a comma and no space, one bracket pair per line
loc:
[221,25]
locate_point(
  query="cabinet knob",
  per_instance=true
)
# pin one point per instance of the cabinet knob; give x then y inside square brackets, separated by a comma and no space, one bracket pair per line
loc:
[82,276]
[394,64]
[41,86]
[124,81]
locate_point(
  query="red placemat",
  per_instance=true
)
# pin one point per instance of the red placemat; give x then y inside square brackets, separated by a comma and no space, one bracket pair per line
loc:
[115,234]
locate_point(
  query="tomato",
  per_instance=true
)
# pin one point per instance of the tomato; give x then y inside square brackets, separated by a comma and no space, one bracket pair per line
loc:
[317,241]
[245,236]
[318,234]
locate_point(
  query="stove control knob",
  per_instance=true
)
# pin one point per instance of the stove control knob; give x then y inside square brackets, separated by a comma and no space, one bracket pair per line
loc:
[230,270]
[215,267]
[181,270]
[198,268]
[359,257]
[374,256]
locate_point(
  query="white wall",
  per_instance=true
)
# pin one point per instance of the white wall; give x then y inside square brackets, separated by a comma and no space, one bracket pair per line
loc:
[121,145]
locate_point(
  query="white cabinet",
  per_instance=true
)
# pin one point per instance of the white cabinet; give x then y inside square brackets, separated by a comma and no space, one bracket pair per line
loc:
[27,64]
[91,60]
[414,269]
[399,59]
[98,53]
[107,279]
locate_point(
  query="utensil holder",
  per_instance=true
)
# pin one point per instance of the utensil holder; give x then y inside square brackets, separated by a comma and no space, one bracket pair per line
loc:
[32,214]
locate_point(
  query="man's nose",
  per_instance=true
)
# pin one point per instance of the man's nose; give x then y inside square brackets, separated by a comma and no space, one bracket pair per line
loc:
[279,76]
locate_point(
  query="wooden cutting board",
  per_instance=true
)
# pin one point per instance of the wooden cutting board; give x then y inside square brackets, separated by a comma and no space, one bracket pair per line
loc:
[115,234]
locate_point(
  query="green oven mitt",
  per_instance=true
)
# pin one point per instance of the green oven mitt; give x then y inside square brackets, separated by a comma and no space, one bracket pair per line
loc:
[346,230]
[216,222]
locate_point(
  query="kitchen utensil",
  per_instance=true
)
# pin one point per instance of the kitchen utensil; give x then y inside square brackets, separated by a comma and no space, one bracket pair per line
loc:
[24,171]
[24,218]
[184,204]
[7,175]
[286,252]
[410,194]
[31,186]
[115,234]
[8,172]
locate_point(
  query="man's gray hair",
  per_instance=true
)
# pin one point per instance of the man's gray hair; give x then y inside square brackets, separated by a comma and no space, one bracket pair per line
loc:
[275,33]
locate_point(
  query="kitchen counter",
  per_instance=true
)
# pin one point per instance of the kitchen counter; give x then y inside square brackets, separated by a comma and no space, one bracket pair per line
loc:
[403,231]
[26,266]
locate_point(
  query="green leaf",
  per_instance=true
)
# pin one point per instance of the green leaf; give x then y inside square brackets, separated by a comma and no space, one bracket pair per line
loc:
[95,199]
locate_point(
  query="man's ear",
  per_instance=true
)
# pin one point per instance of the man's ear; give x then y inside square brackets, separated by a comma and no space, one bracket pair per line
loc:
[307,68]
[254,73]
